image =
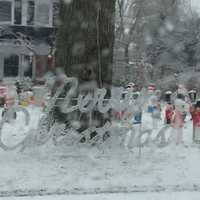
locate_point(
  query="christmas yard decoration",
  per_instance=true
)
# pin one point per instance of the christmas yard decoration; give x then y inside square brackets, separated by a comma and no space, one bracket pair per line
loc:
[152,88]
[177,120]
[50,130]
[169,113]
[3,93]
[196,122]
[168,95]
[192,95]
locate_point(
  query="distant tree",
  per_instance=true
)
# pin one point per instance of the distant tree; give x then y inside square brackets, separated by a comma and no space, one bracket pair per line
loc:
[162,33]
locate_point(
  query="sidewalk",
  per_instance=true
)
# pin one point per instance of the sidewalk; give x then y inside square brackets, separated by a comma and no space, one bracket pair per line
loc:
[131,196]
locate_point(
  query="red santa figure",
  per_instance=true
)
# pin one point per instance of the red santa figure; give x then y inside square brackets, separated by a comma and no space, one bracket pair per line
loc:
[196,122]
[169,110]
[177,121]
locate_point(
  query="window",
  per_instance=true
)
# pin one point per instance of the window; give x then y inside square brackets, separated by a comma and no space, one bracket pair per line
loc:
[42,14]
[6,11]
[27,66]
[11,66]
[18,11]
[38,13]
[30,13]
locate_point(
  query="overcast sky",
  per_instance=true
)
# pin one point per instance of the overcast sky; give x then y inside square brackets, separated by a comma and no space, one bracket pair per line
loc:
[196,4]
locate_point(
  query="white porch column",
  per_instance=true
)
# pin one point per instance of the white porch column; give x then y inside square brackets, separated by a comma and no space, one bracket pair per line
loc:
[1,66]
[21,67]
[34,67]
[24,12]
[51,13]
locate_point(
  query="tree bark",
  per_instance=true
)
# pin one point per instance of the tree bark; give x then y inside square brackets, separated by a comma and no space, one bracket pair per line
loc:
[85,43]
[85,39]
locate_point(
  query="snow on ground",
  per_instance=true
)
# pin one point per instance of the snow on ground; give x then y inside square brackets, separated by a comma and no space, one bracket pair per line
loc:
[135,196]
[76,169]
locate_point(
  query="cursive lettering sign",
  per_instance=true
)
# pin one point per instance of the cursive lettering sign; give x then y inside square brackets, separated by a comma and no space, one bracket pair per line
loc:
[85,104]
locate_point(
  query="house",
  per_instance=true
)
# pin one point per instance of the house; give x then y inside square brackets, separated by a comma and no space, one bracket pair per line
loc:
[27,36]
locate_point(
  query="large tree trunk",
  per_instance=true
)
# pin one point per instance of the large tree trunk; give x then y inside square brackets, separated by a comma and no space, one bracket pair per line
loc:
[85,43]
[85,39]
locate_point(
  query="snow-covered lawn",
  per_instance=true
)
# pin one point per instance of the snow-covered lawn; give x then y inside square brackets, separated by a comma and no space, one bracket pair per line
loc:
[84,169]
